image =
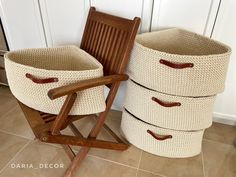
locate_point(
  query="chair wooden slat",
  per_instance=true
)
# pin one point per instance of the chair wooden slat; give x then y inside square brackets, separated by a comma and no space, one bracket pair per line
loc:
[99,41]
[105,51]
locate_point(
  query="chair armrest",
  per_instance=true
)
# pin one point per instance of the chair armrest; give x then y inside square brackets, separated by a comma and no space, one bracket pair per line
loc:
[85,84]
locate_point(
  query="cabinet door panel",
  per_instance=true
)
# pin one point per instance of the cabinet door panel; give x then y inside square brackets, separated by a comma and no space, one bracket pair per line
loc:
[64,20]
[22,23]
[225,31]
[192,15]
[127,9]
[123,8]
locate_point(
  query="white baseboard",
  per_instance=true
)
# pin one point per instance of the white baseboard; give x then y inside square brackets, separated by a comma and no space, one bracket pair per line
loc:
[224,118]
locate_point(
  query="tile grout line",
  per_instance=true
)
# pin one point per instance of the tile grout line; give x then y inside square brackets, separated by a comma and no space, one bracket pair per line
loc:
[146,170]
[112,161]
[139,162]
[118,163]
[8,111]
[9,133]
[158,174]
[29,142]
[203,165]
[77,151]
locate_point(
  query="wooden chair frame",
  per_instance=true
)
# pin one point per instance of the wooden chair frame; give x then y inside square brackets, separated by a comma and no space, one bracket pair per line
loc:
[47,127]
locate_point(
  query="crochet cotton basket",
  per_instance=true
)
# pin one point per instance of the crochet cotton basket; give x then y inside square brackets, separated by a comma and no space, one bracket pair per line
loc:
[186,113]
[32,73]
[179,144]
[179,62]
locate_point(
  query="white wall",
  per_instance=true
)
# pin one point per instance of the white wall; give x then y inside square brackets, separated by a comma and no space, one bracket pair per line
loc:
[225,31]
[127,9]
[64,20]
[193,15]
[22,23]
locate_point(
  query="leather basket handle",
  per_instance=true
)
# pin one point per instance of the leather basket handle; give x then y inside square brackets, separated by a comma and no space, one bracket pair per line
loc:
[166,104]
[159,137]
[41,81]
[176,65]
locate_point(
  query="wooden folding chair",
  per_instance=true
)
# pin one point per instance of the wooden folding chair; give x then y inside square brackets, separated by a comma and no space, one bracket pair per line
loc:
[109,39]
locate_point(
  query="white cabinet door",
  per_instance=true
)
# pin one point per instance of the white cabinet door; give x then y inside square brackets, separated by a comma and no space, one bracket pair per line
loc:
[64,20]
[22,23]
[194,15]
[127,9]
[225,31]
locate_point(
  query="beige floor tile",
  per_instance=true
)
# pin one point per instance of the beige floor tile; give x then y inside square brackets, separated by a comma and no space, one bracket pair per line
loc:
[11,116]
[219,159]
[38,153]
[4,90]
[129,157]
[9,146]
[7,103]
[187,167]
[221,133]
[14,122]
[96,167]
[146,174]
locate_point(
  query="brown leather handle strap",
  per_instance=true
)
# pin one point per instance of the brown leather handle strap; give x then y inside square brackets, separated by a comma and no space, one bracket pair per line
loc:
[176,65]
[166,104]
[41,81]
[159,137]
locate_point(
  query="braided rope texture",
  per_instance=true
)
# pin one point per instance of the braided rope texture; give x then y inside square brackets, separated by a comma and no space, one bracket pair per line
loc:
[192,114]
[210,59]
[182,144]
[193,72]
[67,63]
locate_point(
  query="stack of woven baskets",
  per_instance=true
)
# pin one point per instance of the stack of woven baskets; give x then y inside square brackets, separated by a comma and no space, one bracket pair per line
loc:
[175,76]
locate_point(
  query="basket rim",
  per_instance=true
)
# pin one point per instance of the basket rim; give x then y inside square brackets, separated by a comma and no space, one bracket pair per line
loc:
[132,83]
[174,131]
[229,50]
[92,59]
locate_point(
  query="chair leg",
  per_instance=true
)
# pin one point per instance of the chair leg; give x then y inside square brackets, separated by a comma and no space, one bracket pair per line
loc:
[76,162]
[102,117]
[63,114]
[69,151]
[93,134]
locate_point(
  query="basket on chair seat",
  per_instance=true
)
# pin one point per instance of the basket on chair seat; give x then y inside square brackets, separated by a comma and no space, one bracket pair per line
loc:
[179,62]
[32,73]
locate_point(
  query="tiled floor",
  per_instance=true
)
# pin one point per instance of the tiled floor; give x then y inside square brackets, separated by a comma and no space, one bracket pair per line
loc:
[17,147]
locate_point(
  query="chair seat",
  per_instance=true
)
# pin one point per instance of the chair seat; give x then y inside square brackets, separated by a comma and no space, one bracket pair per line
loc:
[41,122]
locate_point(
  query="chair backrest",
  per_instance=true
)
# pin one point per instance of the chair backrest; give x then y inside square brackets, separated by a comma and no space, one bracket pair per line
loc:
[109,39]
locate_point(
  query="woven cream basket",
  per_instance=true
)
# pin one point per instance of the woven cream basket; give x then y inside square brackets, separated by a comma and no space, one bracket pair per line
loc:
[179,62]
[168,143]
[173,112]
[32,73]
